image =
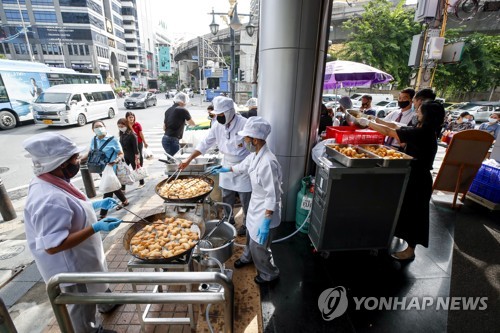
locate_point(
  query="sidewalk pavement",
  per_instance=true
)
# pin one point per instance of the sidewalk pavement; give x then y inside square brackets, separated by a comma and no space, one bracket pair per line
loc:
[23,289]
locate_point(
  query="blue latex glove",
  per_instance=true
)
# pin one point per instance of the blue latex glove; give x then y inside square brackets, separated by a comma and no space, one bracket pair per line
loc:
[106,204]
[106,224]
[218,169]
[263,231]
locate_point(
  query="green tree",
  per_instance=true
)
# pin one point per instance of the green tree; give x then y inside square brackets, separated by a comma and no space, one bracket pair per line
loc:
[477,71]
[381,37]
[170,81]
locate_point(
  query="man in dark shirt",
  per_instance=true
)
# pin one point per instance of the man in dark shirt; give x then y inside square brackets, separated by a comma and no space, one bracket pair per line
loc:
[366,105]
[173,124]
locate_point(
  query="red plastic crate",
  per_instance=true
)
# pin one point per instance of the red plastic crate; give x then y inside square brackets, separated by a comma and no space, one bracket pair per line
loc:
[353,135]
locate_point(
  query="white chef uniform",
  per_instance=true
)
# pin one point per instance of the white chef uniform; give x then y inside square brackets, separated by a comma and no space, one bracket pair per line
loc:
[50,215]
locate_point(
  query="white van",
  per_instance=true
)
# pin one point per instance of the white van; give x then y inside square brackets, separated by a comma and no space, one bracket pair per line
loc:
[69,104]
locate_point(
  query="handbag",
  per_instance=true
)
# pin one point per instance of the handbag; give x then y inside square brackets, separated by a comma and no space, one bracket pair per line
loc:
[147,153]
[140,173]
[109,181]
[124,173]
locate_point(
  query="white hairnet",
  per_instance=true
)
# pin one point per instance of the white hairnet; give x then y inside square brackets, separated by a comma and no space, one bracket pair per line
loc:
[224,105]
[252,102]
[256,127]
[49,150]
[181,97]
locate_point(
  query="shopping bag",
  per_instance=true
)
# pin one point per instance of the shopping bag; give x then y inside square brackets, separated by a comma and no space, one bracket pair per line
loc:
[147,153]
[109,180]
[140,173]
[124,173]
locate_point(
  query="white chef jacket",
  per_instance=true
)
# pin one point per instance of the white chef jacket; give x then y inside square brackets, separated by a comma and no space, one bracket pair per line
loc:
[266,178]
[233,147]
[50,215]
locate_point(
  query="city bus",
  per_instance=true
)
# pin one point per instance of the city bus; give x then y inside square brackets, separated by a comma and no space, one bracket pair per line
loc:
[21,82]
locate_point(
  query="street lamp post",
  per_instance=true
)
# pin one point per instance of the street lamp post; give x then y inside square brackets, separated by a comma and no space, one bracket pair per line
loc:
[234,24]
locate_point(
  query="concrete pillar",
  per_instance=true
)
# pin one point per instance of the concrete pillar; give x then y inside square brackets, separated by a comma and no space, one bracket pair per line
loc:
[292,50]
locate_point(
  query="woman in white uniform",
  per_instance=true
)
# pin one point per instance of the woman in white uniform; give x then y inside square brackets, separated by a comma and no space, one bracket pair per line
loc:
[61,224]
[264,212]
[224,134]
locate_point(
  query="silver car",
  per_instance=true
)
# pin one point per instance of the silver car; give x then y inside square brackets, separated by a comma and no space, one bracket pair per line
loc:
[140,100]
[480,110]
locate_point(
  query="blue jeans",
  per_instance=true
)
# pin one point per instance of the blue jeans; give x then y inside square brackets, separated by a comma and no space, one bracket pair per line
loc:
[170,144]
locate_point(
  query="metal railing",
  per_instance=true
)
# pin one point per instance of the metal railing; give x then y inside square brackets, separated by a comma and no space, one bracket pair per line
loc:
[59,299]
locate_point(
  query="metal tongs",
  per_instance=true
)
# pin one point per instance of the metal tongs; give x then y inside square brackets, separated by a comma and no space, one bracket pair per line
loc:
[131,212]
[175,174]
[205,174]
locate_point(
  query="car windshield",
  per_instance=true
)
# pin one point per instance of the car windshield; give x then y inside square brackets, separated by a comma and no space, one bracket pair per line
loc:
[48,97]
[137,95]
[382,103]
[469,106]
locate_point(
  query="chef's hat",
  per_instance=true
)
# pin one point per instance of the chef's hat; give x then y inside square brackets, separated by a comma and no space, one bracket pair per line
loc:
[256,127]
[222,104]
[49,150]
[251,102]
[181,97]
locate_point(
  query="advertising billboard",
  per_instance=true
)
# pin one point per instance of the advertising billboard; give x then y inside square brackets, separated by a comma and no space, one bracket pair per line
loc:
[22,89]
[164,59]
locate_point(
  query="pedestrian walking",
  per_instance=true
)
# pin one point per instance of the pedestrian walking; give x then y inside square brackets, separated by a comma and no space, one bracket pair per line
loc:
[141,141]
[175,119]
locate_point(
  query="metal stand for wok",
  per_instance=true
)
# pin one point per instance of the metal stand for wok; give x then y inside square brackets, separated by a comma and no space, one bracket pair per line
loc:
[182,264]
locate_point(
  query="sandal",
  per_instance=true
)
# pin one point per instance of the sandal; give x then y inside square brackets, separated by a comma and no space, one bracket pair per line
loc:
[124,204]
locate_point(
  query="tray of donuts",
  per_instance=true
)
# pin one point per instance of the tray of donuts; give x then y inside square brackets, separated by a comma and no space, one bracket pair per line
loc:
[164,239]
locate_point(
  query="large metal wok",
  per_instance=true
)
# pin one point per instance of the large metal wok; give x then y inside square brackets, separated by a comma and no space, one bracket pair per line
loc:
[186,200]
[136,227]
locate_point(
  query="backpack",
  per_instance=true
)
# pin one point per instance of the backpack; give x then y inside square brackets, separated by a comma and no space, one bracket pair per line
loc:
[97,159]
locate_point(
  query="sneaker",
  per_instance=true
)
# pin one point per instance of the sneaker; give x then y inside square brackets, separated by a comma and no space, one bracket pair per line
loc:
[242,231]
[238,263]
[261,281]
[107,308]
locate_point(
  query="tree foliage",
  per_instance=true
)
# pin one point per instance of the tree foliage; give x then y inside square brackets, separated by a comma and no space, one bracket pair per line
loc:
[170,81]
[478,70]
[381,37]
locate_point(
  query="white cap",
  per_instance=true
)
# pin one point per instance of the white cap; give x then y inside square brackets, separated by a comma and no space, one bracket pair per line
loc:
[222,104]
[256,127]
[49,150]
[181,97]
[251,102]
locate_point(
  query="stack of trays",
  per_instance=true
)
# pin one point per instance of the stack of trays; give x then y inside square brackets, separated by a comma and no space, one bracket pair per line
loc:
[369,160]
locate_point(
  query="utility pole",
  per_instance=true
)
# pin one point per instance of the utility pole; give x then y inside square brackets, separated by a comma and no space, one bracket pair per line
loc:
[28,46]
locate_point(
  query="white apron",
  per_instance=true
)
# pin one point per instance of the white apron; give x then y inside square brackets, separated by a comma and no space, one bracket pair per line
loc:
[232,181]
[256,209]
[91,249]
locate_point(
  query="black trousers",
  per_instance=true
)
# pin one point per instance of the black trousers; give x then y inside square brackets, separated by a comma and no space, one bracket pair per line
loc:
[119,194]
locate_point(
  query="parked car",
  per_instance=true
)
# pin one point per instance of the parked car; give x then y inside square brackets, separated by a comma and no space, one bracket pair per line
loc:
[140,100]
[383,108]
[480,110]
[331,98]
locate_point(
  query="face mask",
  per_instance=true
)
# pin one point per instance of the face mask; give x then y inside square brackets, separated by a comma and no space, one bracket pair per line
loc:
[403,104]
[221,120]
[492,120]
[250,147]
[122,129]
[465,120]
[71,170]
[100,131]
[339,114]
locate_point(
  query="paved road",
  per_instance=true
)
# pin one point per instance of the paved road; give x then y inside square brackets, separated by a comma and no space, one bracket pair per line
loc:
[15,168]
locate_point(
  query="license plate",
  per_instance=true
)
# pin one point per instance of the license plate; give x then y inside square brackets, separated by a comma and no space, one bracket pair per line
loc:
[48,122]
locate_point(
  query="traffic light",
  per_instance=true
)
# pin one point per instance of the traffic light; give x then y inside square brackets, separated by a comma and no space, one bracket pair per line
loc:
[242,75]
